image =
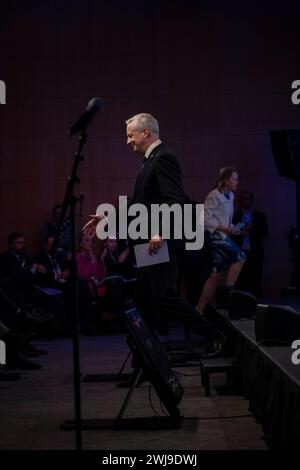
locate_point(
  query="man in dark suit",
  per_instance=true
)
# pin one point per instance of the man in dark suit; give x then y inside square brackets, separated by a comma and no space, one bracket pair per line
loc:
[250,240]
[159,182]
[17,265]
[52,275]
[23,273]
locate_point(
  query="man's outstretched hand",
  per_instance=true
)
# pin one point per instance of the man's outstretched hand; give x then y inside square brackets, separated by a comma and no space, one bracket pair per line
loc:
[90,227]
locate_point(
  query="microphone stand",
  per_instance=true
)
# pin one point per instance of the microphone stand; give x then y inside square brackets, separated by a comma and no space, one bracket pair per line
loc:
[70,201]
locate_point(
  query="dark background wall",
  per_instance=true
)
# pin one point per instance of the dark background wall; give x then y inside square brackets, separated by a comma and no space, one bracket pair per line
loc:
[217,75]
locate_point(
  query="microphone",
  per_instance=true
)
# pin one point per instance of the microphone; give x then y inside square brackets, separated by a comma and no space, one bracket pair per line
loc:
[94,105]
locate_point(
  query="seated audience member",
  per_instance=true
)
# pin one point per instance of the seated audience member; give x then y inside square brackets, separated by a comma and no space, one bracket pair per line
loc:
[250,239]
[17,265]
[117,258]
[118,261]
[24,274]
[65,243]
[17,313]
[18,350]
[91,272]
[52,275]
[89,268]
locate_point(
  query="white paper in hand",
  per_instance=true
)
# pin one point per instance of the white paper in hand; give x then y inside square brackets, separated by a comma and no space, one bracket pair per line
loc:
[143,257]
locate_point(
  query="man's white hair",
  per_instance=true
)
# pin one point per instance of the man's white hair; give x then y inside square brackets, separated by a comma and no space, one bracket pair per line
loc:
[144,121]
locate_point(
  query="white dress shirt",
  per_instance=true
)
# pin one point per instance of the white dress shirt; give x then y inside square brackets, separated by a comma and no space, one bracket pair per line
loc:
[152,147]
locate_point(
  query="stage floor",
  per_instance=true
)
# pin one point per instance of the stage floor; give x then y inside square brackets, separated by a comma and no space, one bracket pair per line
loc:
[32,409]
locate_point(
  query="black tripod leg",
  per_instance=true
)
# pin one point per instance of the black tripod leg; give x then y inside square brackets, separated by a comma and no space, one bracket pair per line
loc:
[123,366]
[128,396]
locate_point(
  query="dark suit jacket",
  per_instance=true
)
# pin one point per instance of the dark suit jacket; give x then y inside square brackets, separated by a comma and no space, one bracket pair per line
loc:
[12,268]
[47,279]
[258,233]
[159,181]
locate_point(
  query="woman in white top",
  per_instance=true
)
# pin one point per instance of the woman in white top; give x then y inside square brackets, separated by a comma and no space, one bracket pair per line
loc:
[227,257]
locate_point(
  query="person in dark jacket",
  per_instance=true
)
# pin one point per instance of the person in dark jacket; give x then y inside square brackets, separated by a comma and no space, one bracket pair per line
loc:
[158,182]
[52,275]
[250,240]
[24,273]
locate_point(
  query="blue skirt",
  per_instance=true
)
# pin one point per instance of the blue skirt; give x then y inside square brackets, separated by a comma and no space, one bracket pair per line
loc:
[224,252]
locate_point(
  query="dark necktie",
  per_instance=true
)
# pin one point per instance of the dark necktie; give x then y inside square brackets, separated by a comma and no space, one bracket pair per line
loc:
[143,164]
[22,261]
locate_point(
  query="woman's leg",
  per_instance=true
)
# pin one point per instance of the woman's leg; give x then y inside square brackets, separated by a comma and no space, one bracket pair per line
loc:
[208,291]
[233,273]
